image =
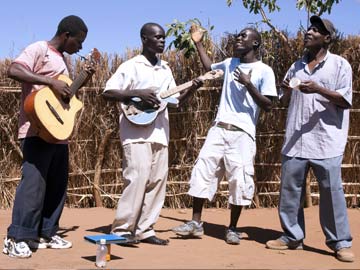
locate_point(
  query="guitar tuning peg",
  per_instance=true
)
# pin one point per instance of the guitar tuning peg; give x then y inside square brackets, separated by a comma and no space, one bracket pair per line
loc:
[81,57]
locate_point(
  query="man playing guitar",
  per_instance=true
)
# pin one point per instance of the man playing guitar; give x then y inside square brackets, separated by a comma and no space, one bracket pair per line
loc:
[145,148]
[40,196]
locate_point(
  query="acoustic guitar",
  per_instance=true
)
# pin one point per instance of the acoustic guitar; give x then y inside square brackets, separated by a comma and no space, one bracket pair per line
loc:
[52,116]
[140,115]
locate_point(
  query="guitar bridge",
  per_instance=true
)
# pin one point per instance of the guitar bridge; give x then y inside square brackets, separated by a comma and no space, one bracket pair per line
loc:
[53,111]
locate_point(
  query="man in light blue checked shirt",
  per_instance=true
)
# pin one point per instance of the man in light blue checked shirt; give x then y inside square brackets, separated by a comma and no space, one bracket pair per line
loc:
[316,134]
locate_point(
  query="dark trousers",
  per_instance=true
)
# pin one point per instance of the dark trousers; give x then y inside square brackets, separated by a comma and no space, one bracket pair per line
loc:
[41,193]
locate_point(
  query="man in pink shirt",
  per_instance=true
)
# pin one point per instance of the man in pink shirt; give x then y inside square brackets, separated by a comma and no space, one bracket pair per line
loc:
[40,196]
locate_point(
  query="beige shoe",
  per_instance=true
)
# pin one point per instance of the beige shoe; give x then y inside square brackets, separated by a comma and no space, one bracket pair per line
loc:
[279,244]
[345,255]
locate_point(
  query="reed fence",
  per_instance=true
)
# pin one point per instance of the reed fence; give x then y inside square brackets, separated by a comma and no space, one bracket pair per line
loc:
[95,152]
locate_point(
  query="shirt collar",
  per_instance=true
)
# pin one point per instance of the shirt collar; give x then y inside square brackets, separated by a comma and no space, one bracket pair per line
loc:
[54,49]
[142,59]
[319,65]
[305,61]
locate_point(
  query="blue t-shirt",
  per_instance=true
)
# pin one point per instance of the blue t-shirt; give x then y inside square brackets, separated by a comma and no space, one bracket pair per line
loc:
[237,107]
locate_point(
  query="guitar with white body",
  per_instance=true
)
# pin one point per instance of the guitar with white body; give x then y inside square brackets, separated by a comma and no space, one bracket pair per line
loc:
[140,115]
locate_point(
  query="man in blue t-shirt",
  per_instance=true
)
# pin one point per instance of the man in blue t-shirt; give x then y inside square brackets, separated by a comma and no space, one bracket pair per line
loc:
[230,146]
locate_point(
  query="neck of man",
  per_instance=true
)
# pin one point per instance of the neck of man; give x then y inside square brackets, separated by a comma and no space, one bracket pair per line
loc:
[150,56]
[316,54]
[248,57]
[56,42]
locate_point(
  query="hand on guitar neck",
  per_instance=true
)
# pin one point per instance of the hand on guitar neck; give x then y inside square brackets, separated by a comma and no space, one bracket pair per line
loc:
[210,75]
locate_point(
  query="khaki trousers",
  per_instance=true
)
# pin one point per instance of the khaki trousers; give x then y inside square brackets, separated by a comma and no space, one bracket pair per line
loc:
[145,170]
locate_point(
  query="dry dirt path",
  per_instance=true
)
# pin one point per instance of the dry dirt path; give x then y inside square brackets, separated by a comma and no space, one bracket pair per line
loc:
[211,252]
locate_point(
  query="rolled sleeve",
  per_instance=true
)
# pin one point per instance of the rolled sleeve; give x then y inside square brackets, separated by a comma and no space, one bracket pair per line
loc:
[345,82]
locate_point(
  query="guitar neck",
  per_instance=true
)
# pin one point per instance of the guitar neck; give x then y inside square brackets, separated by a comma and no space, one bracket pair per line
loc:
[177,89]
[78,82]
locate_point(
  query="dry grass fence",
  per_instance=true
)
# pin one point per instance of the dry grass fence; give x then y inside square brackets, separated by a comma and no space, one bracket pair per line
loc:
[95,152]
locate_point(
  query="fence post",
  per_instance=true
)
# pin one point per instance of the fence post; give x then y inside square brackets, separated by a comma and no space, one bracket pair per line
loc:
[98,166]
[308,201]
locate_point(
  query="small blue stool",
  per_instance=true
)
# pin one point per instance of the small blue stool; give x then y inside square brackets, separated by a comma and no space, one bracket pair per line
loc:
[110,239]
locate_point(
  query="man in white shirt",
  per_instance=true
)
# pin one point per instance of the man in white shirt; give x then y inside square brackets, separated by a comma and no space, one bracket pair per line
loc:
[145,148]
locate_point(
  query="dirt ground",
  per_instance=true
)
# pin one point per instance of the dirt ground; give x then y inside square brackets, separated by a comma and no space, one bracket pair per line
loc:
[211,252]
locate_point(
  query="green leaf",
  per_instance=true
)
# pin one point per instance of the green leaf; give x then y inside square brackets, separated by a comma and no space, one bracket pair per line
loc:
[182,38]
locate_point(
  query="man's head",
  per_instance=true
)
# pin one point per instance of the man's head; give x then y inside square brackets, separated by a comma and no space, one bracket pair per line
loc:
[320,33]
[72,30]
[249,39]
[152,38]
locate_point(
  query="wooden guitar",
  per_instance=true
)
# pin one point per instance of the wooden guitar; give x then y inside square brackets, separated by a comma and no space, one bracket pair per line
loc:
[138,114]
[52,116]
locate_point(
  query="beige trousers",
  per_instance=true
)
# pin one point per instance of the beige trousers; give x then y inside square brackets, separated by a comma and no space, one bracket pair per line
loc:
[145,170]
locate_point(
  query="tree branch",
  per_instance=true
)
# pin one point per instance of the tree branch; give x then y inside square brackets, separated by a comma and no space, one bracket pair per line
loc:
[277,31]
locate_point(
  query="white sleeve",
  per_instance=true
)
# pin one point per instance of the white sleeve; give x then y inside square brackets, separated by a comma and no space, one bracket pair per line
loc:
[120,80]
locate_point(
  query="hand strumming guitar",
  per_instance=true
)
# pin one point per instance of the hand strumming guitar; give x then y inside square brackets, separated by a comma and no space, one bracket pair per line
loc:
[148,98]
[61,88]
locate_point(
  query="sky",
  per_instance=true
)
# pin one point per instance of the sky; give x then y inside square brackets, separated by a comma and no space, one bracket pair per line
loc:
[114,24]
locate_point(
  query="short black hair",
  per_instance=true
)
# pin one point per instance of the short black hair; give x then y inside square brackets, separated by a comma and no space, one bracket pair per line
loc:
[256,34]
[72,24]
[147,26]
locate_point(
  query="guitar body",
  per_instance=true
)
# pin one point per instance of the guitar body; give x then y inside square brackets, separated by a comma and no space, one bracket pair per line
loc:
[48,114]
[144,117]
[138,115]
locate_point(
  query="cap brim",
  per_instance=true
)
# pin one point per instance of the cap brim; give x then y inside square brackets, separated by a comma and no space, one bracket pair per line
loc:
[317,20]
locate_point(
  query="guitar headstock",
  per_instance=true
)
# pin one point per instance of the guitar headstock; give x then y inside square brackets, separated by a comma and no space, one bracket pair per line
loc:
[213,74]
[91,60]
[94,56]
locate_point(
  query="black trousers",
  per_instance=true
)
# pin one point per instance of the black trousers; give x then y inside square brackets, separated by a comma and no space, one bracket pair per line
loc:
[41,193]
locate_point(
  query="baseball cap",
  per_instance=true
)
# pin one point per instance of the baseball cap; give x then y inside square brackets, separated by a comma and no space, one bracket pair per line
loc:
[326,24]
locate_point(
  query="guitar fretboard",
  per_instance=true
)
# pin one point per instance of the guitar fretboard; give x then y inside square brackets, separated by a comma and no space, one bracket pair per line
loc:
[177,89]
[77,83]
[208,76]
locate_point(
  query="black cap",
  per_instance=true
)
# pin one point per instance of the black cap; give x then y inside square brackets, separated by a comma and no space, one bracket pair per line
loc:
[326,24]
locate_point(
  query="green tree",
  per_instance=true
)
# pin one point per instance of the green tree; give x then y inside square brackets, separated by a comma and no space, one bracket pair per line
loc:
[313,6]
[317,7]
[180,30]
[182,39]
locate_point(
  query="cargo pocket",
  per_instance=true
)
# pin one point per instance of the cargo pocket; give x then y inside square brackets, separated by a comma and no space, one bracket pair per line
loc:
[249,188]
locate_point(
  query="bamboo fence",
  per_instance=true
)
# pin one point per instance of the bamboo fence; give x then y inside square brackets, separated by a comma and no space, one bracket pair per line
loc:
[95,152]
